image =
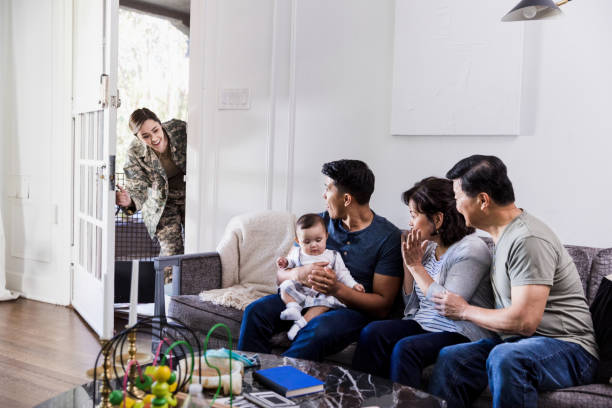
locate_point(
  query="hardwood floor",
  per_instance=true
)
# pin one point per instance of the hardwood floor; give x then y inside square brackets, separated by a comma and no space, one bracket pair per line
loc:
[44,350]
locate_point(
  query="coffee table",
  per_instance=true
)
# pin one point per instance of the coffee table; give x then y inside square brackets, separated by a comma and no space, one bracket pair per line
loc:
[343,388]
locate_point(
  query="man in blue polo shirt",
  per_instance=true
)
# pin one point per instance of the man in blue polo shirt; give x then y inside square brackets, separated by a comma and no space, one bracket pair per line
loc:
[371,249]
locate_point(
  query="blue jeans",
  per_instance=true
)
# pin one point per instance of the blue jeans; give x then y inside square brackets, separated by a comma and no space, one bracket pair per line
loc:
[326,334]
[515,369]
[400,349]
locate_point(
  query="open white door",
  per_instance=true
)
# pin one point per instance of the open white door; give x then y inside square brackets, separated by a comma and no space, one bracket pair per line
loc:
[95,103]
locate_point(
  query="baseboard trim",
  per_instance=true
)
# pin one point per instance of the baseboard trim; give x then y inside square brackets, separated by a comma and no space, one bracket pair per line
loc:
[20,284]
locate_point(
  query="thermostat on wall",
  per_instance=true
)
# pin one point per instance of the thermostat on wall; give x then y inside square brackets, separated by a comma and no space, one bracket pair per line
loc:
[234,98]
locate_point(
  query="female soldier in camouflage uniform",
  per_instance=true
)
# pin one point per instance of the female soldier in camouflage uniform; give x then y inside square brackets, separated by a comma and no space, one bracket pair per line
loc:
[154,172]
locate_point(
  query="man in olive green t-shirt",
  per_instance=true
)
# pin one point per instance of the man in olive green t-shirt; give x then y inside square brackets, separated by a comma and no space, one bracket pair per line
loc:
[546,332]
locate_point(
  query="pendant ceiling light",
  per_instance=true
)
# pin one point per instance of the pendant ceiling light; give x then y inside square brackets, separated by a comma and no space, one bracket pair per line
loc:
[534,10]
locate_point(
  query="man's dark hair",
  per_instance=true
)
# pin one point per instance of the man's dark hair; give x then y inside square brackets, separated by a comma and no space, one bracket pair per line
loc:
[484,174]
[435,195]
[310,220]
[351,176]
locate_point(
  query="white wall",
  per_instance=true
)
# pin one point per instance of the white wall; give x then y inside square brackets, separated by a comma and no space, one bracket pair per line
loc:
[319,73]
[36,147]
[331,99]
[6,72]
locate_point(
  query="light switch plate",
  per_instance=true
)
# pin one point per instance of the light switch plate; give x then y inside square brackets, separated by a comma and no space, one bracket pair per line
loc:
[234,98]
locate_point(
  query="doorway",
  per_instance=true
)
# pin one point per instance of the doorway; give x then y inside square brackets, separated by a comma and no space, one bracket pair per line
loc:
[153,72]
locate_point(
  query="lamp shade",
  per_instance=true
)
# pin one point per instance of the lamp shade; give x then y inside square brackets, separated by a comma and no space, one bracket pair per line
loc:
[532,10]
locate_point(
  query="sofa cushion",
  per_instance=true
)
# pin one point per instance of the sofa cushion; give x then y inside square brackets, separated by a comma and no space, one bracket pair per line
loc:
[199,273]
[592,395]
[280,342]
[195,313]
[343,357]
[583,258]
[602,266]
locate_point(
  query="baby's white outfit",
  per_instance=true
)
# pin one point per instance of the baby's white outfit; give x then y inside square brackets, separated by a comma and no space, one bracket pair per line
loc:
[308,297]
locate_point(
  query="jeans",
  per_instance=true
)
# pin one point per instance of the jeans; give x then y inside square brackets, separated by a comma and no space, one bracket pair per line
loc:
[515,369]
[324,335]
[400,349]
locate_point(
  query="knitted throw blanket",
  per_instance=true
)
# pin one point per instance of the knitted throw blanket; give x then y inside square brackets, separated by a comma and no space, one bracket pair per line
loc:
[248,251]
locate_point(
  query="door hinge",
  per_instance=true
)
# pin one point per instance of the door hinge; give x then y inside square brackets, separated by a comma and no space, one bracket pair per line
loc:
[116,101]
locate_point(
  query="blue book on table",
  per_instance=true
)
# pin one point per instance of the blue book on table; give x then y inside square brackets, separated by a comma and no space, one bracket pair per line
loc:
[288,381]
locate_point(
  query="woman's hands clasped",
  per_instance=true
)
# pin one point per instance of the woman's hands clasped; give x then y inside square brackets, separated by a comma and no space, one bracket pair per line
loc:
[413,248]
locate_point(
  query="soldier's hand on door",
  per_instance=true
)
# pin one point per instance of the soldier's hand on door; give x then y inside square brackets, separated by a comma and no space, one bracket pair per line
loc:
[122,197]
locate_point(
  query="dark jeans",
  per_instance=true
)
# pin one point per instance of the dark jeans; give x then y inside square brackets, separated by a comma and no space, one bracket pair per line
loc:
[326,334]
[515,369]
[400,349]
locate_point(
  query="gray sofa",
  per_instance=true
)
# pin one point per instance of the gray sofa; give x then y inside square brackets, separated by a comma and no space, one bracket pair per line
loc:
[197,272]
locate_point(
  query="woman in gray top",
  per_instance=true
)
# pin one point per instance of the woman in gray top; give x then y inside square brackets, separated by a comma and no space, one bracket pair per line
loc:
[440,253]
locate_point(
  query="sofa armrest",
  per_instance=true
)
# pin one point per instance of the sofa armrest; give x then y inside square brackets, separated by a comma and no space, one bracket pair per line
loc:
[191,274]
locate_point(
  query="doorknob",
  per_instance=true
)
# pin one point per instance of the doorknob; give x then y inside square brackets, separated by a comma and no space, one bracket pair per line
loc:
[100,170]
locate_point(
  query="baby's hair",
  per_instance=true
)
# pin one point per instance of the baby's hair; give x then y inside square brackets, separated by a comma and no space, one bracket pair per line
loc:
[310,220]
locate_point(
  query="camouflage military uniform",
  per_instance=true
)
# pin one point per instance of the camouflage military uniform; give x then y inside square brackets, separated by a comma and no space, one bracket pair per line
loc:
[163,209]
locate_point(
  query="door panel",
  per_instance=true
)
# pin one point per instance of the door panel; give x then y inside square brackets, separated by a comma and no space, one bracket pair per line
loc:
[94,128]
[88,64]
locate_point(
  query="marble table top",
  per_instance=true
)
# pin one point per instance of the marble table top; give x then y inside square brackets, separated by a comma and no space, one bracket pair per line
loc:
[343,388]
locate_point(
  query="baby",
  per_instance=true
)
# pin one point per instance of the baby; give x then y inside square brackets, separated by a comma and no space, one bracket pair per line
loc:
[311,235]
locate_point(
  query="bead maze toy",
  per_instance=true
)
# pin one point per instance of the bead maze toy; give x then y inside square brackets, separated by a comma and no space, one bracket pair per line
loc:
[155,385]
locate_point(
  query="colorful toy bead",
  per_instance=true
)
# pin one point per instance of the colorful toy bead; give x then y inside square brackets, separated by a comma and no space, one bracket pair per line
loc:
[150,371]
[143,383]
[161,389]
[116,397]
[162,374]
[129,403]
[145,403]
[172,387]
